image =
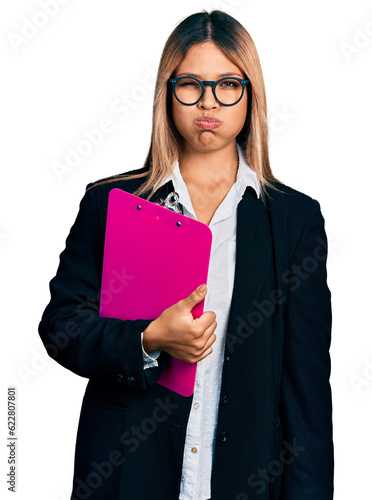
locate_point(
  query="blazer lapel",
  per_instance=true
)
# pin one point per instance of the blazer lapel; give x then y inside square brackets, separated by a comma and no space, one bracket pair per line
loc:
[253,259]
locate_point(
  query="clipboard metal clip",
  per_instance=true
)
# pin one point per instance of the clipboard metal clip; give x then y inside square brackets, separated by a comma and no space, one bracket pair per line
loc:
[171,202]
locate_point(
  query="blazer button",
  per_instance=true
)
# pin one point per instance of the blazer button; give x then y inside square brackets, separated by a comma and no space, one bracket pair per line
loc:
[226,399]
[131,380]
[223,437]
[120,378]
[227,360]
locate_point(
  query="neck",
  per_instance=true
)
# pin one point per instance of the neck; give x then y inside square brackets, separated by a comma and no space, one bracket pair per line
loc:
[218,167]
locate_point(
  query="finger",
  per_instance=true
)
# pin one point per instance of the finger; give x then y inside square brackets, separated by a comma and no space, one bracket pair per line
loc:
[206,353]
[210,341]
[194,298]
[207,320]
[208,344]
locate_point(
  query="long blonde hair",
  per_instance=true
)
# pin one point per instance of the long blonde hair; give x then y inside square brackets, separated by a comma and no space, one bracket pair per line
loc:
[165,148]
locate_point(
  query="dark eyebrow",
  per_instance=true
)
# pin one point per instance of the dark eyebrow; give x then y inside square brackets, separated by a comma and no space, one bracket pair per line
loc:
[221,75]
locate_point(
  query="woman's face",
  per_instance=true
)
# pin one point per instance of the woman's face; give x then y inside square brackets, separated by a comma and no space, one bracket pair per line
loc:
[206,61]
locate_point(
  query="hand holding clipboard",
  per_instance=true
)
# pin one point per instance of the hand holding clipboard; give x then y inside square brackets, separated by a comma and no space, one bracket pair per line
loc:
[164,256]
[176,331]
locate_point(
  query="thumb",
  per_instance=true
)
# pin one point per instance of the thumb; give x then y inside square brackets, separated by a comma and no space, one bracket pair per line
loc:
[195,297]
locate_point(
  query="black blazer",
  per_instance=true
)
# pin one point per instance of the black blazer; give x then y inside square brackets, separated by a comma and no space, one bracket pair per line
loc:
[274,432]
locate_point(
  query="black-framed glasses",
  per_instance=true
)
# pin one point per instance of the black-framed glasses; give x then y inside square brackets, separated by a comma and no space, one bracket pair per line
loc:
[189,90]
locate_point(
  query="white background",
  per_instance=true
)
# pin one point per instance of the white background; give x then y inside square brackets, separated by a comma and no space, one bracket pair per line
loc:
[66,77]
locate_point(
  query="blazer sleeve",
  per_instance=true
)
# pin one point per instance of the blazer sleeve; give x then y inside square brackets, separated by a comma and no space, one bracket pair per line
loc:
[71,329]
[306,406]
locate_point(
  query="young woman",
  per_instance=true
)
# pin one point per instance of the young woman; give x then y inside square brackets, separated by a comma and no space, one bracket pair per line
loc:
[259,424]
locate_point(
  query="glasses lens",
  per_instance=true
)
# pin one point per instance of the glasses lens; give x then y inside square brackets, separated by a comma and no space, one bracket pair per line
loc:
[229,91]
[188,90]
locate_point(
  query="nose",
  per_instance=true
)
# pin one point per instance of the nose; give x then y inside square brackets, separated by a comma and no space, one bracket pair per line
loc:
[208,100]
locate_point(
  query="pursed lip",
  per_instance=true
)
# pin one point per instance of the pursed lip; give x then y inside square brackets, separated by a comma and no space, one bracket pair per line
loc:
[207,122]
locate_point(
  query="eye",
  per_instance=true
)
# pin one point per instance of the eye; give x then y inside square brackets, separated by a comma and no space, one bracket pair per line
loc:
[229,84]
[188,83]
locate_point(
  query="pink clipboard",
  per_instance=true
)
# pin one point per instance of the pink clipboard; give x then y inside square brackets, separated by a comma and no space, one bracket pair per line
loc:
[163,256]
